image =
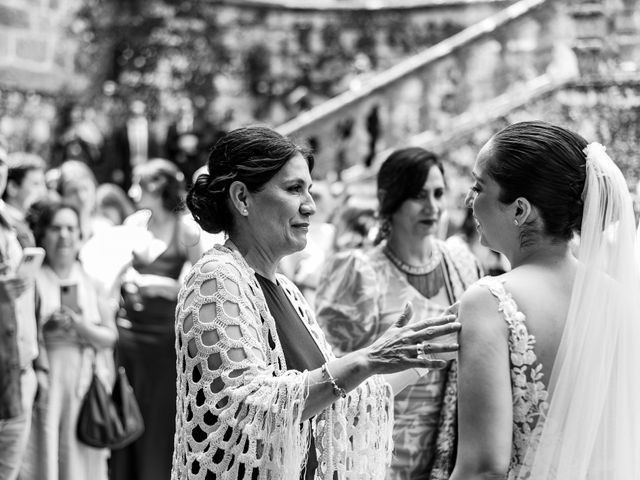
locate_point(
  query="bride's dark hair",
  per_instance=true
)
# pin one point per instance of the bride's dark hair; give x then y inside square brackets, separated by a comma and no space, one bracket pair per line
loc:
[545,164]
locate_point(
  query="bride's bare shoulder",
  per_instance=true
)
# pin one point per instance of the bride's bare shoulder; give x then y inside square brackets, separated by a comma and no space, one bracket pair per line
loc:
[479,313]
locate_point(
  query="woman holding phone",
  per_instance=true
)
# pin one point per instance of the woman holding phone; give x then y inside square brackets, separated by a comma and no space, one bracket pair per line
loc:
[77,329]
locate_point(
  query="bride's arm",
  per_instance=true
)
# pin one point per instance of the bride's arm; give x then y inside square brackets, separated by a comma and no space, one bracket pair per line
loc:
[484,390]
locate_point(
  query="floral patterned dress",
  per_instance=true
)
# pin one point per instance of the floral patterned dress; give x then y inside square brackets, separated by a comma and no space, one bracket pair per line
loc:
[530,395]
[360,294]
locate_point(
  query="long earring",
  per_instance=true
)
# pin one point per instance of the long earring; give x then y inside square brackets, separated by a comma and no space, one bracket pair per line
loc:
[386,227]
[383,231]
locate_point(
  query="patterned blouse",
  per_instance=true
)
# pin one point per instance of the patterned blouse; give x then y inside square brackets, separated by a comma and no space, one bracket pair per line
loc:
[360,295]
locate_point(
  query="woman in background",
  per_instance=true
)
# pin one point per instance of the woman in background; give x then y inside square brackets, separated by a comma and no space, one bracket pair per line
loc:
[361,292]
[77,185]
[113,203]
[77,328]
[146,324]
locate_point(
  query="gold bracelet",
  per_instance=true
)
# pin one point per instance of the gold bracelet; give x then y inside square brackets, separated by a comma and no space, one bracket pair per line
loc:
[338,392]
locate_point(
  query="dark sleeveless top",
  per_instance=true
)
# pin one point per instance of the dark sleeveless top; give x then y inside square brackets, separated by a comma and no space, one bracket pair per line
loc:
[300,350]
[155,312]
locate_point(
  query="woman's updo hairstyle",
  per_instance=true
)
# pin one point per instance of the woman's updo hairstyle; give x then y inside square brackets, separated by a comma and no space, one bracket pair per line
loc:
[545,164]
[164,178]
[251,155]
[401,177]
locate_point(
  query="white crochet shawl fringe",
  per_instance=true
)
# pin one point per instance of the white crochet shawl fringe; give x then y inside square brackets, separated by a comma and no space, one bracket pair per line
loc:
[249,412]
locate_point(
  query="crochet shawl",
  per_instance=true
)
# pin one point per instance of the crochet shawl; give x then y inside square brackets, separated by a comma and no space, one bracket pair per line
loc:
[239,409]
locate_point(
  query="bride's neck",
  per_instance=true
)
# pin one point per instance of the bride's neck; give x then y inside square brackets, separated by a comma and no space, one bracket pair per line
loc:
[546,252]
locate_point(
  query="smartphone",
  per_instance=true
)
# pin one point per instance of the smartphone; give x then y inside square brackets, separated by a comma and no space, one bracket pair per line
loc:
[32,258]
[69,297]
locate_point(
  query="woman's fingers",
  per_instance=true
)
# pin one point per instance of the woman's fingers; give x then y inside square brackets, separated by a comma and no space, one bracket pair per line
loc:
[453,309]
[430,331]
[419,355]
[14,287]
[423,350]
[427,348]
[405,316]
[434,363]
[433,322]
[68,314]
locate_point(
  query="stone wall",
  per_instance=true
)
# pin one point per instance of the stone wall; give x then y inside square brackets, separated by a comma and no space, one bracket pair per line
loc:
[285,57]
[605,111]
[286,60]
[428,92]
[36,69]
[36,51]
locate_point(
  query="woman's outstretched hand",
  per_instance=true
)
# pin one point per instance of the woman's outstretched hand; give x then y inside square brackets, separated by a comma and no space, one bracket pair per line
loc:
[410,345]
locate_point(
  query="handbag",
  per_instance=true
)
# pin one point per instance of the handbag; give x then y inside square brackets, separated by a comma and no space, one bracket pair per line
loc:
[109,421]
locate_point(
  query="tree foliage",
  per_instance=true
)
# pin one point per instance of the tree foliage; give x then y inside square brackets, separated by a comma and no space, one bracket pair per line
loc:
[153,50]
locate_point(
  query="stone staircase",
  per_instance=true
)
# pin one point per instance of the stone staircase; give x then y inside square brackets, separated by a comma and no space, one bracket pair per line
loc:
[454,90]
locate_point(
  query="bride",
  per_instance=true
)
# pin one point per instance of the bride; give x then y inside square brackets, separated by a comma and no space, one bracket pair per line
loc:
[549,382]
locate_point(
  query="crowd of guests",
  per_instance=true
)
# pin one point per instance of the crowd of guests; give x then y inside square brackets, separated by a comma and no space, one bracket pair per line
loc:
[50,347]
[112,148]
[278,330]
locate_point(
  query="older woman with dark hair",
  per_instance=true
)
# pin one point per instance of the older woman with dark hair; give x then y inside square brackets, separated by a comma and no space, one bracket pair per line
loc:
[77,325]
[361,291]
[260,393]
[167,246]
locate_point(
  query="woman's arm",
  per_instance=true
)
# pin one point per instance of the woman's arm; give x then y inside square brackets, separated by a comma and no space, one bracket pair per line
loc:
[161,286]
[151,285]
[484,390]
[100,335]
[192,234]
[394,351]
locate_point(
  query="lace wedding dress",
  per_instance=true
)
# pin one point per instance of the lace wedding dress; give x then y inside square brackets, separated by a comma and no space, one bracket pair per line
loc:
[585,423]
[529,393]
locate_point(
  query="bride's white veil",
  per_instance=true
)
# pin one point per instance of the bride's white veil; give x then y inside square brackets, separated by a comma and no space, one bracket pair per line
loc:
[592,428]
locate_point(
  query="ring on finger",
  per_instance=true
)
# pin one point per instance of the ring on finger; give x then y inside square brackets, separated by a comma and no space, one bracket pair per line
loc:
[424,350]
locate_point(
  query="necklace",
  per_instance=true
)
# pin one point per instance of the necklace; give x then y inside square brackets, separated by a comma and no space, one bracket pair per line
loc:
[428,278]
[424,269]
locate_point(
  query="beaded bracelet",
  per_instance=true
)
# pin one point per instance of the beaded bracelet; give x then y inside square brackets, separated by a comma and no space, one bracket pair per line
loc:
[338,392]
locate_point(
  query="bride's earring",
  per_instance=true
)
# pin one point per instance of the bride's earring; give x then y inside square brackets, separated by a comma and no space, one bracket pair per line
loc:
[515,222]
